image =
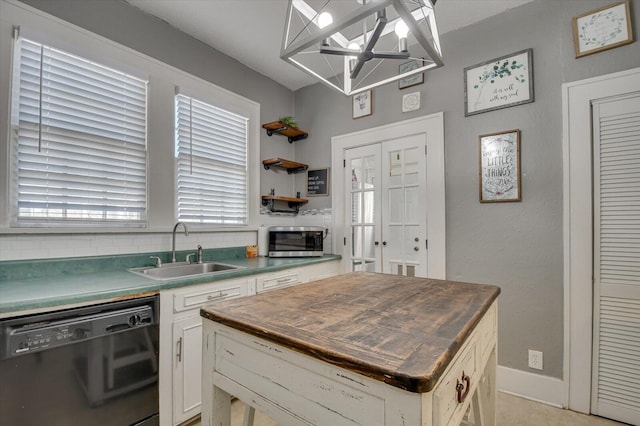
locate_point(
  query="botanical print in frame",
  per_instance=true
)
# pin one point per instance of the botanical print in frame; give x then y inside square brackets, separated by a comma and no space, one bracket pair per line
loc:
[602,29]
[413,79]
[362,104]
[499,83]
[500,167]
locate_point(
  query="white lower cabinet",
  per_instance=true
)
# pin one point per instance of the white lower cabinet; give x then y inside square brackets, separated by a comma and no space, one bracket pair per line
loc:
[181,332]
[187,336]
[181,344]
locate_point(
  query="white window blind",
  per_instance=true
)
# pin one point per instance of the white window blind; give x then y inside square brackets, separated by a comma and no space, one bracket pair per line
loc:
[81,152]
[211,154]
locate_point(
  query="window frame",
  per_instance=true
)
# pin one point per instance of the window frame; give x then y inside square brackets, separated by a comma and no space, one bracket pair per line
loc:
[237,117]
[19,221]
[163,80]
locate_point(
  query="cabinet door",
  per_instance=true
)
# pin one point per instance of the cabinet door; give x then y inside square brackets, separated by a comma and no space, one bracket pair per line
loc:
[187,368]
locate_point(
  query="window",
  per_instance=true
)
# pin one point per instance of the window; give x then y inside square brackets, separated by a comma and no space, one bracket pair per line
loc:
[80,151]
[211,155]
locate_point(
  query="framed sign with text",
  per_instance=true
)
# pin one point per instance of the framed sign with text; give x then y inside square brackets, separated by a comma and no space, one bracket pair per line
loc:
[500,167]
[499,83]
[413,79]
[317,182]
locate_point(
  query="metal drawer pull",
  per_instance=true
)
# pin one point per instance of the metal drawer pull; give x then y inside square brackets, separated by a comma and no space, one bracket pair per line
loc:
[460,387]
[217,296]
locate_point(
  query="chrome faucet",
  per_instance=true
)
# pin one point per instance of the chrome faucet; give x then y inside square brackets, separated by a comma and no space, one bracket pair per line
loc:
[158,261]
[173,244]
[199,253]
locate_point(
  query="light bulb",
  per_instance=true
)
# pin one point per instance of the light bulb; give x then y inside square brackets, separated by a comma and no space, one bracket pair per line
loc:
[353,59]
[401,29]
[325,19]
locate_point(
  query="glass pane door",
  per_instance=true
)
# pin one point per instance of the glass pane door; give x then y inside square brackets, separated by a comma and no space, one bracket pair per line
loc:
[404,221]
[363,198]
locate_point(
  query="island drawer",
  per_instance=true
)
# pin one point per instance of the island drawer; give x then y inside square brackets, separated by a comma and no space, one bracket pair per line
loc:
[315,394]
[198,296]
[465,372]
[447,409]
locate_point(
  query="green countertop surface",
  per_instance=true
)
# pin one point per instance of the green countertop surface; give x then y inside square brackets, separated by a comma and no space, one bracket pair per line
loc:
[57,290]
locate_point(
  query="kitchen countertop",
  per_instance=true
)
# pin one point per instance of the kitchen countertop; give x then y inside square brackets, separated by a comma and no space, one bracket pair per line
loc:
[419,323]
[33,291]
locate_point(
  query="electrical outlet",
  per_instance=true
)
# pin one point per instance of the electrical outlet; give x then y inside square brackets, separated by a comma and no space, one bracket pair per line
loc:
[535,359]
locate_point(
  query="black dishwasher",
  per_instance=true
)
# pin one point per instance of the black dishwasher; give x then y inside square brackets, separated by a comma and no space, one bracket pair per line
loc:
[91,365]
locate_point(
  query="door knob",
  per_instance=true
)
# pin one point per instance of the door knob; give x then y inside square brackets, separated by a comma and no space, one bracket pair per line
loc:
[384,243]
[416,248]
[377,243]
[416,239]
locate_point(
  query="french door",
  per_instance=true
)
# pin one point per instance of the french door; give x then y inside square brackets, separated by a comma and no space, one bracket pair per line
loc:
[363,204]
[385,201]
[616,203]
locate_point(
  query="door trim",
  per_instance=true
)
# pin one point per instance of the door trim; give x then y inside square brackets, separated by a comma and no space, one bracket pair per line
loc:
[433,126]
[578,227]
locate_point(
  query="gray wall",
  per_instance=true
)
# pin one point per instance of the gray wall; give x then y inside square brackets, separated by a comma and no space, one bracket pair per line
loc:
[124,24]
[517,246]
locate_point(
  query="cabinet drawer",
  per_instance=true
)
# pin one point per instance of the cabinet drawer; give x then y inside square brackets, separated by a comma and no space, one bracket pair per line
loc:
[195,297]
[447,409]
[279,281]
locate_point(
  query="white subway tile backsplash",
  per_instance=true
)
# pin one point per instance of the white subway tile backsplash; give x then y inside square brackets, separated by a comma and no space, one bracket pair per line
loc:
[36,253]
[27,243]
[86,251]
[16,247]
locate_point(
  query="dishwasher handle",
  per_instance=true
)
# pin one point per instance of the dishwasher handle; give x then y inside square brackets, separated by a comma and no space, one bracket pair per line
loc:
[117,327]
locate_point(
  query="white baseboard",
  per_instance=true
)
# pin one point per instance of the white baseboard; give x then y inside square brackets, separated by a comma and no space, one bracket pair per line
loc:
[544,389]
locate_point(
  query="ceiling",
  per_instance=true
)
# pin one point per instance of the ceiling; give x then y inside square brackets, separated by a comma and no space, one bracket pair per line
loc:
[250,31]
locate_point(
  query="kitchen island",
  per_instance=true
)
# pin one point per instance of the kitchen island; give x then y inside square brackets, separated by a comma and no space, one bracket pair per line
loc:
[359,348]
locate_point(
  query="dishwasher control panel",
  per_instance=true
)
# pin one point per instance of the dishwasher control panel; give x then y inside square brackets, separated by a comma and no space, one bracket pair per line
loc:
[39,335]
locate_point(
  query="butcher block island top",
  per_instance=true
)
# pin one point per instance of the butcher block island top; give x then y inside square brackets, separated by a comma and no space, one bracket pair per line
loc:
[402,331]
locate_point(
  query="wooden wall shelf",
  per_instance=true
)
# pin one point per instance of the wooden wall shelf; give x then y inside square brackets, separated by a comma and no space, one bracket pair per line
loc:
[288,165]
[280,128]
[293,202]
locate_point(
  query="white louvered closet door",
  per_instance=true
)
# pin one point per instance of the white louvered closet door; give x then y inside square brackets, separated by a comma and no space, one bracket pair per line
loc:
[616,356]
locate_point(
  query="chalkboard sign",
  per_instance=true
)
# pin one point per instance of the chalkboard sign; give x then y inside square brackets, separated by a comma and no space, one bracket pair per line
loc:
[317,182]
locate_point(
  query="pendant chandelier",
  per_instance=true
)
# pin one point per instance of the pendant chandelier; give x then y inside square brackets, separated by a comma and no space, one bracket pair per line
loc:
[356,45]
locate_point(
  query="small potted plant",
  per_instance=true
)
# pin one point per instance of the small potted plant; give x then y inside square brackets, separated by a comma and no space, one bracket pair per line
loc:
[289,121]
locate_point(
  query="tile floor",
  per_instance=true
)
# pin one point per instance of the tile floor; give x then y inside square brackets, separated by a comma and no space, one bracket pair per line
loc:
[512,411]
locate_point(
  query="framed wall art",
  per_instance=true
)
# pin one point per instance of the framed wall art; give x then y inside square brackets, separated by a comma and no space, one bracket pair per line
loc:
[413,79]
[499,83]
[500,167]
[602,29]
[362,104]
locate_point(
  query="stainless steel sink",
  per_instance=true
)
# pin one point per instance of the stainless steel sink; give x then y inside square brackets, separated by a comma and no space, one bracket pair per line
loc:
[180,270]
